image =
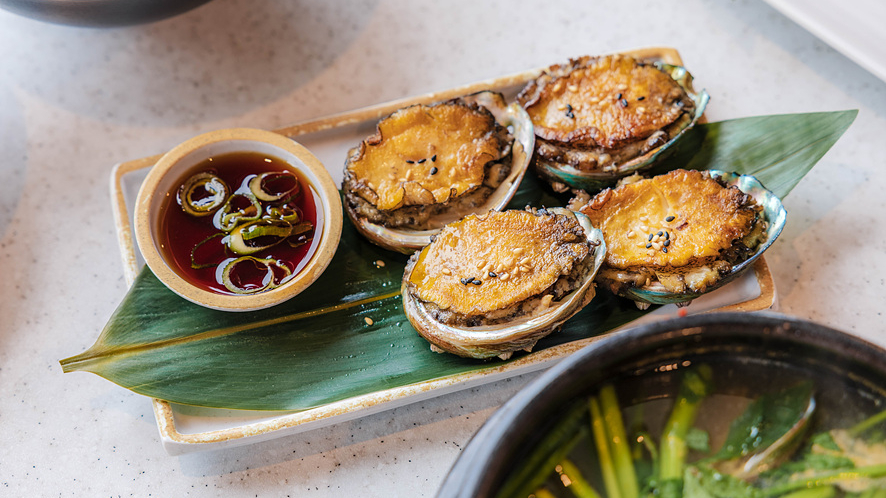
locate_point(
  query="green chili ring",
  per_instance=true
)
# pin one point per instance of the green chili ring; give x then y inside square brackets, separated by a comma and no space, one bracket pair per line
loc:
[257,186]
[206,205]
[244,239]
[268,281]
[227,220]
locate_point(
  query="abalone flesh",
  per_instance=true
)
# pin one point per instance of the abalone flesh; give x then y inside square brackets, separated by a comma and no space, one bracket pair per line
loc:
[492,284]
[598,119]
[675,236]
[429,165]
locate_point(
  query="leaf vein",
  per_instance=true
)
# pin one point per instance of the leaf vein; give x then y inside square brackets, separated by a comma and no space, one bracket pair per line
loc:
[98,352]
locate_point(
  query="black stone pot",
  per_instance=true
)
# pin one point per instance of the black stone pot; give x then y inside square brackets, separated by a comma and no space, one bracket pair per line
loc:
[771,341]
[99,13]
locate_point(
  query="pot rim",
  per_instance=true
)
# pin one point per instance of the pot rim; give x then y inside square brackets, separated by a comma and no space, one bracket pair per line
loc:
[487,457]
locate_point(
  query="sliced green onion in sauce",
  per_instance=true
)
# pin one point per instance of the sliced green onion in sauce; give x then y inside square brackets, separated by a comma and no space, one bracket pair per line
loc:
[258,236]
[199,266]
[229,216]
[299,228]
[273,186]
[269,281]
[203,193]
[254,225]
[284,212]
[301,234]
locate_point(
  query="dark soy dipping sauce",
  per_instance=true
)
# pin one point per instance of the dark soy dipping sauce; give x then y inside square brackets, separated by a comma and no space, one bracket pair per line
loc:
[181,232]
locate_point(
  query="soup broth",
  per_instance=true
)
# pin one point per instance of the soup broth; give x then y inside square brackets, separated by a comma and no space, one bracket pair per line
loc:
[756,431]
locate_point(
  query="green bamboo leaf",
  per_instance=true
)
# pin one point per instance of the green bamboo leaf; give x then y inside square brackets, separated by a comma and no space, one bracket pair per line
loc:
[779,149]
[317,348]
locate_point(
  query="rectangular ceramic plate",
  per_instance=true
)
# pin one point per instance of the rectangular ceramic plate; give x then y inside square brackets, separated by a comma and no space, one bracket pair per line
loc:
[186,429]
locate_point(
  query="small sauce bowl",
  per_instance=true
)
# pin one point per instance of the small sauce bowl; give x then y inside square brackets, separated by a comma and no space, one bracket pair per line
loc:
[161,188]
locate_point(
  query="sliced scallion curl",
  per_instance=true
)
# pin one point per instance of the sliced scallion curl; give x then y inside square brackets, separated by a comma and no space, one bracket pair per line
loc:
[292,197]
[228,217]
[301,234]
[273,186]
[284,212]
[268,282]
[302,227]
[299,240]
[199,266]
[214,194]
[258,235]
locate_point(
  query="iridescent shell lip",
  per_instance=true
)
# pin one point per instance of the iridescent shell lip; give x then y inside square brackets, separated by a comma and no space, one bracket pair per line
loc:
[773,213]
[512,116]
[520,334]
[592,181]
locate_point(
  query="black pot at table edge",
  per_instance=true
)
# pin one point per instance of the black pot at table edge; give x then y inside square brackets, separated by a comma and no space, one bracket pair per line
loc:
[99,13]
[486,460]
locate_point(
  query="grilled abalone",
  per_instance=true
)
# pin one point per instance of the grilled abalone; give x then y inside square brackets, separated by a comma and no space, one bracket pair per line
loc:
[673,237]
[601,118]
[428,165]
[492,284]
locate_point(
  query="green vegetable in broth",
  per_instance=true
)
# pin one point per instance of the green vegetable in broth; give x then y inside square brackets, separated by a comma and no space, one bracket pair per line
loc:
[769,450]
[695,387]
[618,441]
[767,433]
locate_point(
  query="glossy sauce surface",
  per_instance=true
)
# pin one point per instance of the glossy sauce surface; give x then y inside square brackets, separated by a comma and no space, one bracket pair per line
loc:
[181,233]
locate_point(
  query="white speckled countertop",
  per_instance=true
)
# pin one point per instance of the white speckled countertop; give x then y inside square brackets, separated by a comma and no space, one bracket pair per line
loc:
[76,101]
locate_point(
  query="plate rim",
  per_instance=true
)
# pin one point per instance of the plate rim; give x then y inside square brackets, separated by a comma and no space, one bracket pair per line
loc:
[176,442]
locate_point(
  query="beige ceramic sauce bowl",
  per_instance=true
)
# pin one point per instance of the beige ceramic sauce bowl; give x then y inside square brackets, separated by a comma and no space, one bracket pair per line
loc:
[163,183]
